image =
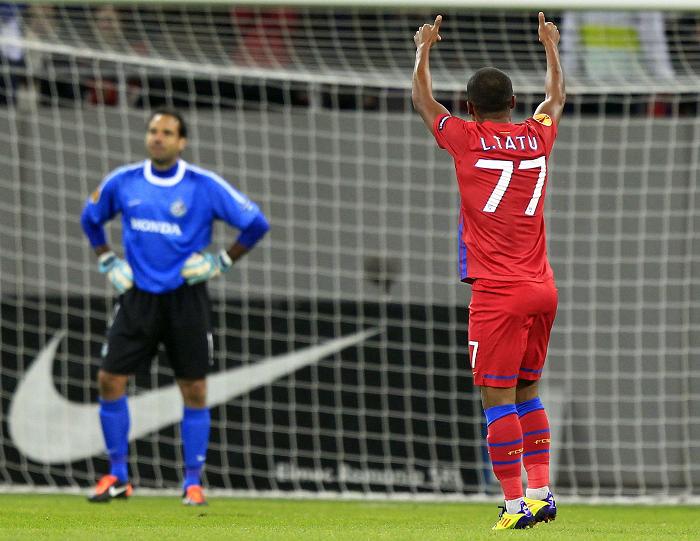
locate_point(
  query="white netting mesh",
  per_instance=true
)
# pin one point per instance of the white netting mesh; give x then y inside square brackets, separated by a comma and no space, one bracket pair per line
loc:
[308,111]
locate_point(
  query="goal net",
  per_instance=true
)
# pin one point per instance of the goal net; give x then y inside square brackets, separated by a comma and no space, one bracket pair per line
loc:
[341,346]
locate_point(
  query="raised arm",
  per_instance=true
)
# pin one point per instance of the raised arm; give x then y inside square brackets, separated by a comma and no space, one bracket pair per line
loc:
[555,93]
[422,91]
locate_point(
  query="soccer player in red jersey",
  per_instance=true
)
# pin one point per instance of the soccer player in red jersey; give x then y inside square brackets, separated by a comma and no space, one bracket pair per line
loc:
[502,171]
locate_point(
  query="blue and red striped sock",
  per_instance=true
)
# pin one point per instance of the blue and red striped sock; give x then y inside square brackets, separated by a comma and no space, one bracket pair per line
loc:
[505,443]
[536,442]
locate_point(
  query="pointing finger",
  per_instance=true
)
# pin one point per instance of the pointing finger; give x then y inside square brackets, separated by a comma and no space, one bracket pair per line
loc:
[438,20]
[540,16]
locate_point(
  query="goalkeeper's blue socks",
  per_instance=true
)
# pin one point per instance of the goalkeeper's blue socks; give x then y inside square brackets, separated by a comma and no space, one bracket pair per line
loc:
[114,416]
[195,440]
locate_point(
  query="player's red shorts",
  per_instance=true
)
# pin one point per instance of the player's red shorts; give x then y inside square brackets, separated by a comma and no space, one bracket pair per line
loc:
[509,327]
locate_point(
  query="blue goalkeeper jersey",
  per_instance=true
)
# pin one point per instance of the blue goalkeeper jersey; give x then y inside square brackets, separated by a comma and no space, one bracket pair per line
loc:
[164,218]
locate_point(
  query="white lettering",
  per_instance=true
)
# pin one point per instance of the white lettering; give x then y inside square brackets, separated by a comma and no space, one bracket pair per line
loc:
[441,476]
[152,226]
[510,143]
[349,474]
[290,472]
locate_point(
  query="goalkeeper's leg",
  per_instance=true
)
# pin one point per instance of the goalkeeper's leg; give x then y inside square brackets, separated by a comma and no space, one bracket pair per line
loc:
[189,344]
[114,418]
[196,421]
[132,341]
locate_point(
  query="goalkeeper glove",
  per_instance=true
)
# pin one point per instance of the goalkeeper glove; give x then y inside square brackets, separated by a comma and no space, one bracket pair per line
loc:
[117,270]
[200,267]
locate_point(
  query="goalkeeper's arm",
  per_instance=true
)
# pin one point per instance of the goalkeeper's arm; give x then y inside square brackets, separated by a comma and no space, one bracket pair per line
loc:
[249,237]
[200,267]
[117,270]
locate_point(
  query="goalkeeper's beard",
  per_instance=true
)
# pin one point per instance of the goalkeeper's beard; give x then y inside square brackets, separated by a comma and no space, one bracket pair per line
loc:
[161,159]
[163,163]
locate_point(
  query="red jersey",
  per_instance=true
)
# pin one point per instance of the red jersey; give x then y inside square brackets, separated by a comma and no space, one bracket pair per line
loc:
[502,175]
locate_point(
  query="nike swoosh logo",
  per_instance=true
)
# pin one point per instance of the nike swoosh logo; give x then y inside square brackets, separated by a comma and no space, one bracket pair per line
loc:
[48,428]
[116,491]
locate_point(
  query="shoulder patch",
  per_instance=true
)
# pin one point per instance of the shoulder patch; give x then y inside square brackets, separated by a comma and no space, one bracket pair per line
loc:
[95,196]
[442,122]
[543,119]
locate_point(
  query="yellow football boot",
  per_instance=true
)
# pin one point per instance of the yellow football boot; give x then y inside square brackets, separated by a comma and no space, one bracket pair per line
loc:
[515,521]
[544,510]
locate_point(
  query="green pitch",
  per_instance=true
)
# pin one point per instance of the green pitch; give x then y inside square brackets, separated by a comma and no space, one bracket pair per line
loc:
[144,518]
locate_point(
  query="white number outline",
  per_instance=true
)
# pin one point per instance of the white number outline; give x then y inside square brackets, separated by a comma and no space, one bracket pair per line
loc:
[506,167]
[472,358]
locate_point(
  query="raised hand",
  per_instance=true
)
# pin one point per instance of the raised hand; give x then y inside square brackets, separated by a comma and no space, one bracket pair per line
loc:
[547,32]
[428,34]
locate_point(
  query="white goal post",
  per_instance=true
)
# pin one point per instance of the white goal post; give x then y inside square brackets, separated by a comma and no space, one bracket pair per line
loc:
[353,299]
[394,5]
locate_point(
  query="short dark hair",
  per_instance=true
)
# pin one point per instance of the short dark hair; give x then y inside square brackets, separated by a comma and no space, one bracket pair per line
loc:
[182,131]
[490,90]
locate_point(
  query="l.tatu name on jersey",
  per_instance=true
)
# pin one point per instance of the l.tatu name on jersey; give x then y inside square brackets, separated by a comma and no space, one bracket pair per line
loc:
[506,142]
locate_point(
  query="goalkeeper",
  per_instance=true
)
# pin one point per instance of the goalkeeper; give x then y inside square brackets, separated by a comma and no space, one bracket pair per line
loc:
[168,207]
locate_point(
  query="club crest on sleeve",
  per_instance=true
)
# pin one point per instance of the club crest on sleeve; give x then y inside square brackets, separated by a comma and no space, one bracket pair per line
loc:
[178,208]
[442,122]
[95,196]
[543,119]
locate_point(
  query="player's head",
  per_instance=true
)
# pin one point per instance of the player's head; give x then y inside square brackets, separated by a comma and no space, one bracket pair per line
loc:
[166,137]
[489,94]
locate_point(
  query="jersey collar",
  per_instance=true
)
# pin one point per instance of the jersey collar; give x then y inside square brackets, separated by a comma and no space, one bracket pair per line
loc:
[168,181]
